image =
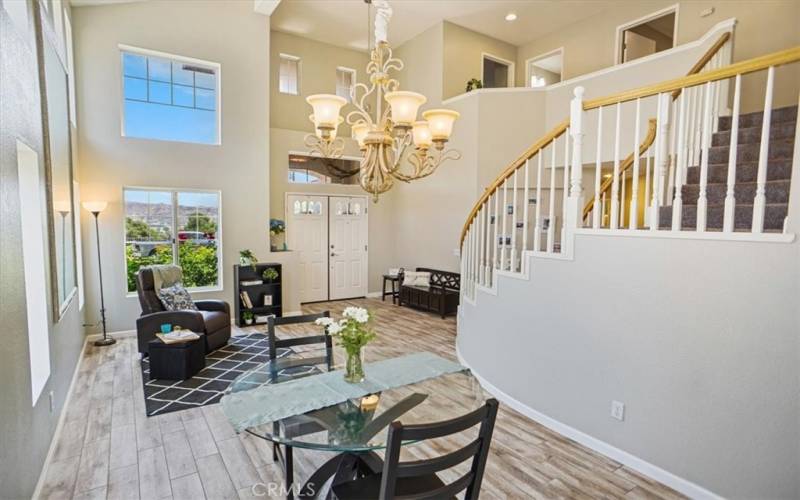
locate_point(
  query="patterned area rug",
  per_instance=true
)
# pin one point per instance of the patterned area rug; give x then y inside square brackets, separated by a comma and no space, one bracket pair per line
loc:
[223,366]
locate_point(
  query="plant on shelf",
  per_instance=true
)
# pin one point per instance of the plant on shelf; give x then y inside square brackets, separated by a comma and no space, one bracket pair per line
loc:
[247,258]
[474,84]
[276,227]
[247,317]
[270,274]
[353,332]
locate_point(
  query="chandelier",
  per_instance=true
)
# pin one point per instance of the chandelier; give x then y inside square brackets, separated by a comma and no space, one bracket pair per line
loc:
[386,137]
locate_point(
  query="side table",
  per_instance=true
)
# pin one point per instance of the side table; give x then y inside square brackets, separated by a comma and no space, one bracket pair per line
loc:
[176,361]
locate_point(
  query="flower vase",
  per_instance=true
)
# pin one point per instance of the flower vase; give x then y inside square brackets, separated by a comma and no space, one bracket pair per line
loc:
[354,369]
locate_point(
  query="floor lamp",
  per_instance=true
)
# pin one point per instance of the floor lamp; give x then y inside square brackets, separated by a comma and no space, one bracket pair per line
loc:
[95,207]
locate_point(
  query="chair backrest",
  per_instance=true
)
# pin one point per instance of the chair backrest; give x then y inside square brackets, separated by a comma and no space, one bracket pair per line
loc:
[275,342]
[477,450]
[145,289]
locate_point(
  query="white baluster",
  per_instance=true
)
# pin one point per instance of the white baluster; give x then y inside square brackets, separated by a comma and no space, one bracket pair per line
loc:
[496,253]
[715,102]
[512,266]
[698,125]
[634,216]
[505,229]
[565,193]
[730,199]
[705,142]
[475,233]
[597,215]
[614,222]
[537,225]
[660,165]
[690,93]
[623,201]
[647,186]
[551,225]
[487,232]
[575,206]
[759,204]
[680,171]
[673,135]
[525,202]
[481,245]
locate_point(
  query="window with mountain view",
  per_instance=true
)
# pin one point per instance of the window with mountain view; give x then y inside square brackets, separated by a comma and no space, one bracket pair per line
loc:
[180,227]
[169,98]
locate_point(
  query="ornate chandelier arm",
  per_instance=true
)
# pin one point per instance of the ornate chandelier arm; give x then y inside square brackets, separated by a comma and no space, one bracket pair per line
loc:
[425,164]
[360,114]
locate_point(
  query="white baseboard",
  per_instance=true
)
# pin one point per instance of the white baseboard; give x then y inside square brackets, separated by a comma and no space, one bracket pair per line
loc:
[117,335]
[37,492]
[677,483]
[373,295]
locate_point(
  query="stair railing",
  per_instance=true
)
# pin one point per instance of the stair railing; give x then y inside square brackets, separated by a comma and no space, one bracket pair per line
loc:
[677,139]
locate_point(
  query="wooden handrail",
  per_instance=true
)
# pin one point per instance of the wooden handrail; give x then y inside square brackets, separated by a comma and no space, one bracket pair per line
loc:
[552,135]
[701,63]
[781,58]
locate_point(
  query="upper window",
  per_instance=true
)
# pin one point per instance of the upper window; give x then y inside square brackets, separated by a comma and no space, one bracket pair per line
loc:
[345,79]
[315,170]
[289,79]
[170,98]
[174,227]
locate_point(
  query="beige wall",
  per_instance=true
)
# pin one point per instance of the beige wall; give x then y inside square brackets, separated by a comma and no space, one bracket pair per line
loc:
[764,26]
[238,167]
[317,76]
[463,56]
[381,231]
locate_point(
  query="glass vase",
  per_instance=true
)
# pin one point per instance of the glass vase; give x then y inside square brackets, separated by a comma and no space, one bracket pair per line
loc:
[354,369]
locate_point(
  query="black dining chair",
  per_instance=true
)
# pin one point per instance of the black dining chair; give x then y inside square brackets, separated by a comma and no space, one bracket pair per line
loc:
[285,458]
[418,479]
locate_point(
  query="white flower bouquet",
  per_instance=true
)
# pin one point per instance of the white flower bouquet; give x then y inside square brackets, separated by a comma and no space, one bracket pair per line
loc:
[353,332]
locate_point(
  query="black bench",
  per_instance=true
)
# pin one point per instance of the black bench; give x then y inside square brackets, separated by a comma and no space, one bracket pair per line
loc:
[441,296]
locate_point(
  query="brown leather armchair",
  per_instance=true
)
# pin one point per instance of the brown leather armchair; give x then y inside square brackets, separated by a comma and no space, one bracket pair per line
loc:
[213,320]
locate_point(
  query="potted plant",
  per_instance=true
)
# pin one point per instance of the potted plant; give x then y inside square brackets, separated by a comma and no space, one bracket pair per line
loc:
[247,317]
[247,258]
[474,83]
[270,274]
[276,228]
[353,332]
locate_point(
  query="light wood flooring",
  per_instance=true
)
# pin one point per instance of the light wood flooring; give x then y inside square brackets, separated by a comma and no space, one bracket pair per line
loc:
[109,448]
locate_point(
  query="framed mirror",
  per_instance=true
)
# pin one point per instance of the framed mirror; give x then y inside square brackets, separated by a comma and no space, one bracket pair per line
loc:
[58,168]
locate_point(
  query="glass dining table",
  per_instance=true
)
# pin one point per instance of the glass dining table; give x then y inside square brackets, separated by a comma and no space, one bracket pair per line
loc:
[355,428]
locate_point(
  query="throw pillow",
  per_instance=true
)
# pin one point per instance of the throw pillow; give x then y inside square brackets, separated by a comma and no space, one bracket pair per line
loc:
[422,279]
[176,298]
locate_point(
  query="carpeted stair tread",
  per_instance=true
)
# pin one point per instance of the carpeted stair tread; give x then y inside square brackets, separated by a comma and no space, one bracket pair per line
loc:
[775,192]
[779,149]
[747,120]
[774,215]
[745,172]
[750,135]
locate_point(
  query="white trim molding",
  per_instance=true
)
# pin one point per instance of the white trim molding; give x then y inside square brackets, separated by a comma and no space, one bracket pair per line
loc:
[652,471]
[511,67]
[533,59]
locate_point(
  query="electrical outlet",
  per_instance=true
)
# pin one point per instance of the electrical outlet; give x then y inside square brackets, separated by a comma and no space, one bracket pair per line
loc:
[52,402]
[618,410]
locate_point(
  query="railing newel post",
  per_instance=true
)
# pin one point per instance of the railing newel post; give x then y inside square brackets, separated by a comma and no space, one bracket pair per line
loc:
[576,198]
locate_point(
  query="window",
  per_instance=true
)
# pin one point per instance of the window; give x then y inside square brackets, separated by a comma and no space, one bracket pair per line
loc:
[289,79]
[345,80]
[170,98]
[315,170]
[182,227]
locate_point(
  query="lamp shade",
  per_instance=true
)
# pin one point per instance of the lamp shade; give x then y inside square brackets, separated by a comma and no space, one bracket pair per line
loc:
[405,105]
[62,206]
[441,122]
[95,206]
[359,132]
[422,134]
[326,109]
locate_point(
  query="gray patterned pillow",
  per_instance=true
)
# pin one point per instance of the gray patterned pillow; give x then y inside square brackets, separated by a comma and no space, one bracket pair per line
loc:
[176,298]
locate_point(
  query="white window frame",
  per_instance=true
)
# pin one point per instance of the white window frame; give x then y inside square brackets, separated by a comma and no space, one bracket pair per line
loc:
[219,287]
[299,62]
[354,73]
[73,110]
[173,57]
[529,62]
[644,19]
[512,67]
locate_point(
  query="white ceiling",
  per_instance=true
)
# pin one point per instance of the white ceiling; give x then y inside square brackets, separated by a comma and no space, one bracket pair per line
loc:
[344,22]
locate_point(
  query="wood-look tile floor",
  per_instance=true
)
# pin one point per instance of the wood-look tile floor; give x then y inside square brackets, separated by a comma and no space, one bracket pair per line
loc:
[109,448]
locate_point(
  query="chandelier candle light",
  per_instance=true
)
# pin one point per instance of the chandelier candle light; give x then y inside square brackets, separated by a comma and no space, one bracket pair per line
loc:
[386,137]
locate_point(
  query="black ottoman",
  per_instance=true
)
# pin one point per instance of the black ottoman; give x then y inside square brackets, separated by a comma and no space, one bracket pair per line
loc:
[176,361]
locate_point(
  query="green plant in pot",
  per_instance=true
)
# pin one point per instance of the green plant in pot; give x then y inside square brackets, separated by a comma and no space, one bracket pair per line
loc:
[248,258]
[353,332]
[270,274]
[247,317]
[474,83]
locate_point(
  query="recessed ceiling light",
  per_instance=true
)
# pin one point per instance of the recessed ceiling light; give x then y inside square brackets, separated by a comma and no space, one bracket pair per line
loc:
[511,16]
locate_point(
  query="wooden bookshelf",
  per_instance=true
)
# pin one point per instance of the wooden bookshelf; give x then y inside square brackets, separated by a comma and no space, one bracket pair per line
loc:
[257,291]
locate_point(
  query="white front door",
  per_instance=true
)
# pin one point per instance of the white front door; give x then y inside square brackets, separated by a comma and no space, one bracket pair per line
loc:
[307,234]
[348,247]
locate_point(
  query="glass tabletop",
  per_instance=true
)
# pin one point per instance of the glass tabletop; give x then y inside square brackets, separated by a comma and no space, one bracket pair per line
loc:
[361,424]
